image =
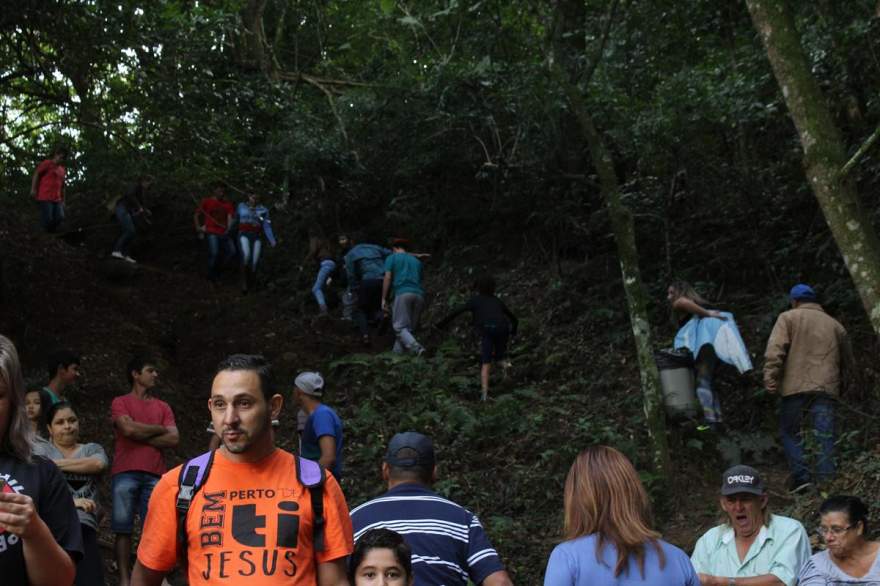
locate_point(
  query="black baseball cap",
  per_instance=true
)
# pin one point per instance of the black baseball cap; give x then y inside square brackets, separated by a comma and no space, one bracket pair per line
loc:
[740,478]
[420,448]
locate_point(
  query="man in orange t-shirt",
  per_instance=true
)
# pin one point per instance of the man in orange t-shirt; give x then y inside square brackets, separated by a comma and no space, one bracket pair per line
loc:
[252,518]
[47,187]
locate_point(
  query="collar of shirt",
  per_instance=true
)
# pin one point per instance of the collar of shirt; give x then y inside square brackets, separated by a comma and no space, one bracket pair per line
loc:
[763,536]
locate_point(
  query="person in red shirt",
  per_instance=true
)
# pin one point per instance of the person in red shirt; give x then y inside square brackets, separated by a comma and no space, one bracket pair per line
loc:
[213,218]
[47,187]
[144,426]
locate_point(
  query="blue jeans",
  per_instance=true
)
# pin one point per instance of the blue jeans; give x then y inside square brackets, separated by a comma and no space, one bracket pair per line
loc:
[251,246]
[51,214]
[704,366]
[327,268]
[821,409]
[217,244]
[129,490]
[126,223]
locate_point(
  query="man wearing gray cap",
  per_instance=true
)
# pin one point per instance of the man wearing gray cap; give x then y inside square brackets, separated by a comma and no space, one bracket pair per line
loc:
[752,547]
[449,545]
[806,361]
[322,433]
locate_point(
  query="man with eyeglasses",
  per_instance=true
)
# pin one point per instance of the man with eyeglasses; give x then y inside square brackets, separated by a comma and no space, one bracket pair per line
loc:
[752,547]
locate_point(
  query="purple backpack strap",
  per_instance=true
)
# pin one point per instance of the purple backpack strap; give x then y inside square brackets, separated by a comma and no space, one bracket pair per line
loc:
[192,476]
[311,475]
[309,472]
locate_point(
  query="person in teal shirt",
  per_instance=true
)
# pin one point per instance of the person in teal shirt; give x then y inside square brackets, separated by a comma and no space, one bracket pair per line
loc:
[63,369]
[753,547]
[403,279]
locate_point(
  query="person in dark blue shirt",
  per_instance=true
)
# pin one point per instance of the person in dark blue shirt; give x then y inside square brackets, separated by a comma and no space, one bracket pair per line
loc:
[449,545]
[322,438]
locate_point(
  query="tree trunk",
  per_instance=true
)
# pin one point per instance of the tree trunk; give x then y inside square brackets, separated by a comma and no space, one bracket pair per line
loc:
[637,301]
[824,151]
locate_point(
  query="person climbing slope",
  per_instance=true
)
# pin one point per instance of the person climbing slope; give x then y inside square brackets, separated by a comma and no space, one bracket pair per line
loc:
[710,335]
[493,322]
[253,223]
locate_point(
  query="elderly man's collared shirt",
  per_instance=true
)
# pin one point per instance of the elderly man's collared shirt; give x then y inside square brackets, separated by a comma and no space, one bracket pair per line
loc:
[780,549]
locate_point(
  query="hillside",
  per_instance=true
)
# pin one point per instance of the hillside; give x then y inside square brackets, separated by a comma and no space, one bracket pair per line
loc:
[573,381]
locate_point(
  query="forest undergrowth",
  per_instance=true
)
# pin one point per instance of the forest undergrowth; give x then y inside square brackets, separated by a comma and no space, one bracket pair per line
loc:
[573,381]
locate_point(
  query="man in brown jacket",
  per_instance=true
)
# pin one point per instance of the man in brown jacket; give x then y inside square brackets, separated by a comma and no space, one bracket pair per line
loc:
[806,360]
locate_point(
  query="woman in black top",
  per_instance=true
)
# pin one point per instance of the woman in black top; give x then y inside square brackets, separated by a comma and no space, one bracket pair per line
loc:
[40,539]
[492,321]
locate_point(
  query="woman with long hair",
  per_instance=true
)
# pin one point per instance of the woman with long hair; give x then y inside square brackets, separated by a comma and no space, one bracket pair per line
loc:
[698,327]
[253,225]
[607,531]
[82,466]
[39,530]
[321,252]
[37,403]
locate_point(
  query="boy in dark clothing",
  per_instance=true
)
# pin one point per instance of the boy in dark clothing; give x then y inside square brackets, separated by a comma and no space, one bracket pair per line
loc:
[127,207]
[494,323]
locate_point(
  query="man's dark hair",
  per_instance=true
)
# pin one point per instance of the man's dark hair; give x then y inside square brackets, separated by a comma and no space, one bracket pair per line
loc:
[254,362]
[137,364]
[853,506]
[381,538]
[486,286]
[416,473]
[59,149]
[60,358]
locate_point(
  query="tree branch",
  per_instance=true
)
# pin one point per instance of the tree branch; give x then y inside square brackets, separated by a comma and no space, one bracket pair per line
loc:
[603,41]
[859,154]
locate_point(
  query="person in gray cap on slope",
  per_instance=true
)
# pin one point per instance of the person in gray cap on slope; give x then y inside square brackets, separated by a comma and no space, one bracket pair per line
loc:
[807,358]
[752,547]
[322,438]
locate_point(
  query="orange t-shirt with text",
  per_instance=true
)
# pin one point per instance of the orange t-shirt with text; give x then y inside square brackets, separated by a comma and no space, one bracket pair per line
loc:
[249,521]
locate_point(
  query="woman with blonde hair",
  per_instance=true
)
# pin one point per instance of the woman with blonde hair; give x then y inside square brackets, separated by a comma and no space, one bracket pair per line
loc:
[608,535]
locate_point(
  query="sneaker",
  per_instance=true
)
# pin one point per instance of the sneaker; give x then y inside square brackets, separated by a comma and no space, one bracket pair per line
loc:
[129,259]
[117,254]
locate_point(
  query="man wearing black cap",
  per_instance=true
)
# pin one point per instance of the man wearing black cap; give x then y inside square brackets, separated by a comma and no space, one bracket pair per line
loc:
[807,357]
[752,547]
[449,545]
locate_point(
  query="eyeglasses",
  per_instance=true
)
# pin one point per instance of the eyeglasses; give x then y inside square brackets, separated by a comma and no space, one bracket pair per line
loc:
[835,531]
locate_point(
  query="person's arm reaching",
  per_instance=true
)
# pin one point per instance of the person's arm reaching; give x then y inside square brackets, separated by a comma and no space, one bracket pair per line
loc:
[35,181]
[514,323]
[452,315]
[328,451]
[333,573]
[46,562]
[386,288]
[689,306]
[497,579]
[144,576]
[774,355]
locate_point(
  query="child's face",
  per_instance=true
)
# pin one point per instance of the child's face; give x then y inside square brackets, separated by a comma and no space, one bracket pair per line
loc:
[32,405]
[380,568]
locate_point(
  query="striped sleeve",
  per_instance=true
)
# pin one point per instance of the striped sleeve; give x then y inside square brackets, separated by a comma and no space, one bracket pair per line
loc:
[482,559]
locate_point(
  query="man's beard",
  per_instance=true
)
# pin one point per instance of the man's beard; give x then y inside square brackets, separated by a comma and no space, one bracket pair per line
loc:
[246,441]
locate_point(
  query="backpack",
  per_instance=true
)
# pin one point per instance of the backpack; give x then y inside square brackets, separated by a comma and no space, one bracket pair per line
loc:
[194,474]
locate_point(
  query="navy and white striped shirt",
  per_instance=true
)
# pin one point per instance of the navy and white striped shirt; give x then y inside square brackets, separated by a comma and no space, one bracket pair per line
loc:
[448,542]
